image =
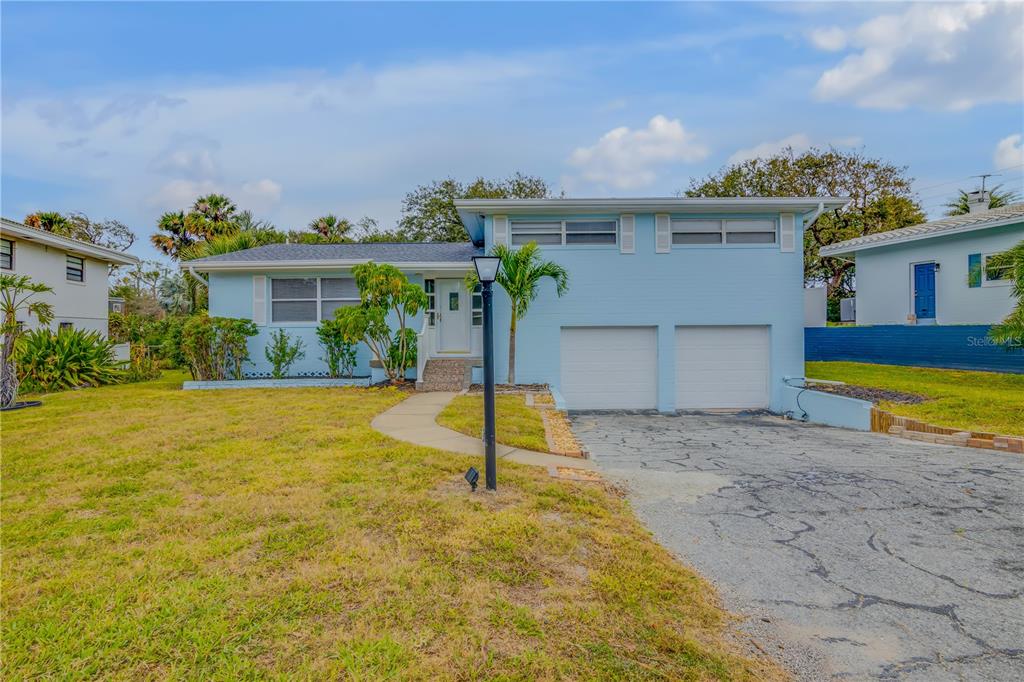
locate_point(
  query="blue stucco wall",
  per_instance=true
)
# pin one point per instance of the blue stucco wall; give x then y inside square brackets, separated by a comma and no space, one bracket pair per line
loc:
[231,296]
[730,285]
[953,347]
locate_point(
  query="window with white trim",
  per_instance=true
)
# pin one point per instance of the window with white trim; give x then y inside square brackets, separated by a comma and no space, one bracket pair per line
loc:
[431,309]
[74,269]
[6,254]
[310,299]
[687,231]
[993,275]
[565,232]
[478,306]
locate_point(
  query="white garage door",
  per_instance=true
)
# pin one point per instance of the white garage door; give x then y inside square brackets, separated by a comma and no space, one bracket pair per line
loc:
[721,367]
[609,368]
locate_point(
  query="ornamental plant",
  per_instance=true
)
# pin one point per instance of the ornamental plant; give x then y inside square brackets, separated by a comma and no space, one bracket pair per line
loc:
[70,358]
[282,353]
[385,292]
[340,352]
[17,297]
[215,348]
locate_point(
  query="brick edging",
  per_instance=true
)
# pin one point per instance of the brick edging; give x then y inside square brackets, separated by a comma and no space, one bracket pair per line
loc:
[913,429]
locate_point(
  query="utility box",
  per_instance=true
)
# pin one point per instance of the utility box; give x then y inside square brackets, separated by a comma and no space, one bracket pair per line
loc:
[815,307]
[848,309]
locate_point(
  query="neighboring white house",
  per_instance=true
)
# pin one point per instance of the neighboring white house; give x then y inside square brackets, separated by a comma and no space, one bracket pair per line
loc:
[936,272]
[77,271]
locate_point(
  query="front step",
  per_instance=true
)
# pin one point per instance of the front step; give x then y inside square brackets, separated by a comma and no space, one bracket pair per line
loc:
[446,374]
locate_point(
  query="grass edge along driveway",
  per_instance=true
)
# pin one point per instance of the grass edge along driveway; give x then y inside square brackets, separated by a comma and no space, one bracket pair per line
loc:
[517,424]
[976,401]
[153,532]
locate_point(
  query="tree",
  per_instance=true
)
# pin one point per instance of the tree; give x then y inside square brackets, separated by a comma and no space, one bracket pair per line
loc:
[229,243]
[428,212]
[997,199]
[521,272]
[881,193]
[331,226]
[16,296]
[51,221]
[383,290]
[211,216]
[1011,330]
[112,234]
[172,235]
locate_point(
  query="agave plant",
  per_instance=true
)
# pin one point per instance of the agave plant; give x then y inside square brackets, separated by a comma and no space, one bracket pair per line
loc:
[68,359]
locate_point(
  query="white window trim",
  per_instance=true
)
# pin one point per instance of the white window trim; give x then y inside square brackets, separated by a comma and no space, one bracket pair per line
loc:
[615,231]
[80,282]
[723,231]
[429,309]
[985,281]
[11,242]
[473,310]
[319,300]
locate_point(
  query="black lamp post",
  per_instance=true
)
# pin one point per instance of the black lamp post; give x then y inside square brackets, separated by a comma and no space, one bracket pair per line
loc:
[486,271]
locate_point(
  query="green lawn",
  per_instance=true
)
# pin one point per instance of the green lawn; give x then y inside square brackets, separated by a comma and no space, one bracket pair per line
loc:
[518,425]
[153,533]
[977,401]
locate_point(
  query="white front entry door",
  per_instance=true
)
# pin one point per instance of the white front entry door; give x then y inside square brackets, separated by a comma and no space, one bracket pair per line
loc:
[722,367]
[453,316]
[609,368]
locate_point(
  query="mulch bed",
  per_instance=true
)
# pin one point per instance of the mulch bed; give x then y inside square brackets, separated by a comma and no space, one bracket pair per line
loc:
[873,395]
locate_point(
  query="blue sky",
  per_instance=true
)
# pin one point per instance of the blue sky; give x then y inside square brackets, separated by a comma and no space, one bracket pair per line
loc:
[126,110]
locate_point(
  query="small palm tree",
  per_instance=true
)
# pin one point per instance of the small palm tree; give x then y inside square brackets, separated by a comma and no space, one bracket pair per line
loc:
[521,272]
[51,221]
[16,294]
[229,243]
[1010,331]
[997,199]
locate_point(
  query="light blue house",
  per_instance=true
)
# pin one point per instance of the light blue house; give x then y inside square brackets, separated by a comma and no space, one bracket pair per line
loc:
[935,272]
[673,304]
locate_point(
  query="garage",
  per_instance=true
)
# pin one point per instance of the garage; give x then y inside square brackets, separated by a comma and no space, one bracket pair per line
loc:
[722,367]
[609,368]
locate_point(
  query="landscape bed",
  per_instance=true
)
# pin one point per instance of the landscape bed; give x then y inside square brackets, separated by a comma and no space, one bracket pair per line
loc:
[293,382]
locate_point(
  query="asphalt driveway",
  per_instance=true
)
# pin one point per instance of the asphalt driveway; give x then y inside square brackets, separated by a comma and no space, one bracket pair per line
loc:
[852,555]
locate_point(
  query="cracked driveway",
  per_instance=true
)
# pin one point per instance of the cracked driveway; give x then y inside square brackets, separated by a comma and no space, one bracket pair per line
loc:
[851,555]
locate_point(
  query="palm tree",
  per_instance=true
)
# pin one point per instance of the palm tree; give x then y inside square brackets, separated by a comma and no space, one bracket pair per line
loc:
[176,236]
[16,294]
[520,275]
[246,221]
[962,206]
[50,221]
[331,227]
[1011,330]
[211,216]
[229,243]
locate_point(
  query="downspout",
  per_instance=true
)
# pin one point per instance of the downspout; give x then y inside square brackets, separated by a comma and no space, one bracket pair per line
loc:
[814,216]
[195,275]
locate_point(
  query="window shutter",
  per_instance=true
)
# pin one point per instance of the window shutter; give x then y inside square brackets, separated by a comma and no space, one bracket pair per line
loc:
[787,232]
[500,230]
[974,270]
[259,300]
[662,233]
[627,234]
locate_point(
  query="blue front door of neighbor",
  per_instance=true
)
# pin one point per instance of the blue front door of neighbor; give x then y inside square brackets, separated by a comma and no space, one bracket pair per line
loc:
[924,291]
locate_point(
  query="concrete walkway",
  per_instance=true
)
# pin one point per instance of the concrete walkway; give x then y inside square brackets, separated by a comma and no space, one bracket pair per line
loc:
[414,421]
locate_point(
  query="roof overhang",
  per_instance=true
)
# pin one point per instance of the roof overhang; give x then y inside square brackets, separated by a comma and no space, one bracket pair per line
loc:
[281,265]
[79,248]
[845,250]
[473,211]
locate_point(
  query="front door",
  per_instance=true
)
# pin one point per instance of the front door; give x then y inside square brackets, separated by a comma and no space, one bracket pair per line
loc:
[924,291]
[453,313]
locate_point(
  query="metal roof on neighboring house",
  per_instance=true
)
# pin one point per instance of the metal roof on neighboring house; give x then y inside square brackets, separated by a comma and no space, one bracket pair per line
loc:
[333,255]
[997,217]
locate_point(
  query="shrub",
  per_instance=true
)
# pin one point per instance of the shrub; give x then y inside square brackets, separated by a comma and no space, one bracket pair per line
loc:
[341,353]
[68,359]
[215,348]
[403,354]
[281,352]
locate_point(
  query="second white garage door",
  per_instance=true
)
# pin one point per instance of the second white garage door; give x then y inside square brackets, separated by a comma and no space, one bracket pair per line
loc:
[722,367]
[609,368]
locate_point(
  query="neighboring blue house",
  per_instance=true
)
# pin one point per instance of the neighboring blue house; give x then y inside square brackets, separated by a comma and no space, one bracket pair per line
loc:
[936,272]
[673,304]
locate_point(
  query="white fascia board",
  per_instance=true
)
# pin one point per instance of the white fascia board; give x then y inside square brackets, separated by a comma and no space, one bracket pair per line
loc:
[261,266]
[470,208]
[841,249]
[74,246]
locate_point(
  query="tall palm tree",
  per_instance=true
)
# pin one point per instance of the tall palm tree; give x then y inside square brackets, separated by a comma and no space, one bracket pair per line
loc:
[211,216]
[16,296]
[521,272]
[997,199]
[331,226]
[173,235]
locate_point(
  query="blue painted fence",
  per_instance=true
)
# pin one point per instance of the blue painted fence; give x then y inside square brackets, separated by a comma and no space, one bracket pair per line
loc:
[953,347]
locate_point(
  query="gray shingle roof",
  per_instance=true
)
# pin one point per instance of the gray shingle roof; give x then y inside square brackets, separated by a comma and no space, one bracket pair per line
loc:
[390,252]
[971,221]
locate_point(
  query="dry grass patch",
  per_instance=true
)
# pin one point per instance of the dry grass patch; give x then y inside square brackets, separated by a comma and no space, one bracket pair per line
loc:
[518,425]
[154,533]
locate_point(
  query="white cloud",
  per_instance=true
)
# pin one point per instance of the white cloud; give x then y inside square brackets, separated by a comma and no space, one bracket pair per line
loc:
[626,159]
[938,55]
[800,142]
[1009,152]
[264,191]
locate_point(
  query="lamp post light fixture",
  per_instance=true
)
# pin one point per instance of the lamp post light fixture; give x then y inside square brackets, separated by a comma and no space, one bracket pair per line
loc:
[486,271]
